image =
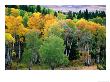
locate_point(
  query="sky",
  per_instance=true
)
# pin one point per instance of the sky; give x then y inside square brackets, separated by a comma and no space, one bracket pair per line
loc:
[76,8]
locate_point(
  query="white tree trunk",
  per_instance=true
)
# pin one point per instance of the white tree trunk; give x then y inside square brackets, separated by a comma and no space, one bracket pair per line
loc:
[8,55]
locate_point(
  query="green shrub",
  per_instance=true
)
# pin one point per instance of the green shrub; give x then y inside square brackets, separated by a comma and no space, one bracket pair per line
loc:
[52,52]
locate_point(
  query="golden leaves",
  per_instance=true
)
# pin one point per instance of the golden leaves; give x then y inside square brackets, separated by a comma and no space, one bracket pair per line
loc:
[82,23]
[9,38]
[43,23]
[35,21]
[14,12]
[14,25]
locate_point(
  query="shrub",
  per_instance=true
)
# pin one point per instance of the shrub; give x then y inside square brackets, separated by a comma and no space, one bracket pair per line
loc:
[52,52]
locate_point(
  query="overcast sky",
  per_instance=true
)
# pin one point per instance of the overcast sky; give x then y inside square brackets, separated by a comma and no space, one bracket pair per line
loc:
[76,8]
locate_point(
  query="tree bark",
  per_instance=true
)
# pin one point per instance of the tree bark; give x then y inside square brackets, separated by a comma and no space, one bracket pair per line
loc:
[8,55]
[19,50]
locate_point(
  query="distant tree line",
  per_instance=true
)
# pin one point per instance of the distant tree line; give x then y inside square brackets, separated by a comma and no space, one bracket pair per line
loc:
[86,14]
[69,15]
[31,8]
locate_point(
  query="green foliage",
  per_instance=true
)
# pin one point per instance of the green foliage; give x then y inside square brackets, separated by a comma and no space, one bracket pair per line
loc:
[70,15]
[57,31]
[25,20]
[69,33]
[71,24]
[41,67]
[99,20]
[55,13]
[38,8]
[27,56]
[85,39]
[22,13]
[99,47]
[7,11]
[74,48]
[23,7]
[75,19]
[52,52]
[32,48]
[44,11]
[51,11]
[33,40]
[32,8]
[61,16]
[86,14]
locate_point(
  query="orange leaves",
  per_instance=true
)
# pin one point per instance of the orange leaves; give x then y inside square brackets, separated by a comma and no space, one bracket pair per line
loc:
[44,23]
[49,17]
[49,21]
[93,26]
[14,25]
[82,23]
[35,21]
[11,21]
[22,31]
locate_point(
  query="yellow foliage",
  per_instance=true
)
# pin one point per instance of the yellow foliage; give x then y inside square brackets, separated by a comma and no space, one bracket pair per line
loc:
[9,38]
[41,23]
[70,23]
[22,31]
[14,12]
[19,19]
[49,17]
[49,21]
[14,25]
[13,53]
[37,15]
[36,21]
[82,23]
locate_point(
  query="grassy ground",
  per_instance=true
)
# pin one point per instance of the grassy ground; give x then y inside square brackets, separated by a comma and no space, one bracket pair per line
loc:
[73,65]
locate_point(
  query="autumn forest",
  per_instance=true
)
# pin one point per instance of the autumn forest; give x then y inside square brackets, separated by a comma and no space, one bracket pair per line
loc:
[38,37]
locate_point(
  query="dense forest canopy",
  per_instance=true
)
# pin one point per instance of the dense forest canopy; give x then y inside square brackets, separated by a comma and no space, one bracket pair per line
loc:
[37,35]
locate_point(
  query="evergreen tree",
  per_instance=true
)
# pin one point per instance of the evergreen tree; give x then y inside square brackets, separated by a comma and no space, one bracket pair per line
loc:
[70,16]
[23,7]
[55,13]
[86,15]
[38,8]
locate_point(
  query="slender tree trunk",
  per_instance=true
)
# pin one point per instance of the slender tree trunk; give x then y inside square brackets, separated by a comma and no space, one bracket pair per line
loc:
[98,58]
[19,50]
[30,65]
[8,55]
[13,42]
